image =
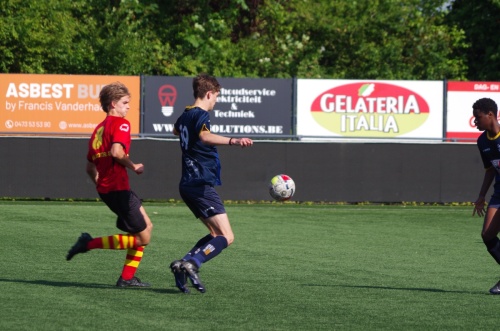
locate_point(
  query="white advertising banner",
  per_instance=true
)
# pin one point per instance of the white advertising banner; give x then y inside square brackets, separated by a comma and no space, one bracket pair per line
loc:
[369,108]
[460,98]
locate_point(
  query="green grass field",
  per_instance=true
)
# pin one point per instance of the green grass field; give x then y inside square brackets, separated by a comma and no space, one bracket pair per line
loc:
[292,267]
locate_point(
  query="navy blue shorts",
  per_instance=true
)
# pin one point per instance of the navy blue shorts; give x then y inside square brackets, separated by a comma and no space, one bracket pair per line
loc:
[494,202]
[203,201]
[126,205]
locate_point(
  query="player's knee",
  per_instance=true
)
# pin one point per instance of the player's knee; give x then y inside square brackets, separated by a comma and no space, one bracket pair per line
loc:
[144,238]
[485,235]
[230,239]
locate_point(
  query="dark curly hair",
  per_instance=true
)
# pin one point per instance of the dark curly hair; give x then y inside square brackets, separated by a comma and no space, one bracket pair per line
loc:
[485,105]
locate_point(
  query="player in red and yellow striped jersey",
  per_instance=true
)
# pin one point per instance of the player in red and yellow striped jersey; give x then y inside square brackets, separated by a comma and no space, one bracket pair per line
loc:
[107,163]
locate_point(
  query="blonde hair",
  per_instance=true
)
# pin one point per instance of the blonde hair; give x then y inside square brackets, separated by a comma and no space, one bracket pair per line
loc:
[112,92]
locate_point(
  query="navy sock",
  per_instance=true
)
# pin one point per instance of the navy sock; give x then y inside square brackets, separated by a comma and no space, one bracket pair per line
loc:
[213,248]
[196,247]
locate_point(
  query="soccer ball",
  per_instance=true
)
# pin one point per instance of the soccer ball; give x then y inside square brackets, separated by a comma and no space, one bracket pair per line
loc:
[281,187]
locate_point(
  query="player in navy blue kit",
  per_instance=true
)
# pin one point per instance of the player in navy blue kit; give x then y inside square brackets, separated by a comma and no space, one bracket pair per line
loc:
[485,118]
[200,173]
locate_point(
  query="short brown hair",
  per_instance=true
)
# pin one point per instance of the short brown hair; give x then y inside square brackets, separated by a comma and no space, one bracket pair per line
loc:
[112,92]
[204,83]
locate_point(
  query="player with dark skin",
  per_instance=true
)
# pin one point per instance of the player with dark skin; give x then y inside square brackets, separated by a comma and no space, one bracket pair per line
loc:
[485,118]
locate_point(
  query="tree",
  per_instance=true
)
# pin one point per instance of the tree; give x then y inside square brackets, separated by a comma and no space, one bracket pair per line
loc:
[377,39]
[40,37]
[381,39]
[77,37]
[480,22]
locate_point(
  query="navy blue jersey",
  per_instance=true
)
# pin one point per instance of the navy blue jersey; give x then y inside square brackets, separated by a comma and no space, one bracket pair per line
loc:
[489,148]
[200,162]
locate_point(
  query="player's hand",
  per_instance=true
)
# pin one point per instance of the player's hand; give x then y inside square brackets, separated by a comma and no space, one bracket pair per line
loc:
[479,208]
[244,142]
[139,168]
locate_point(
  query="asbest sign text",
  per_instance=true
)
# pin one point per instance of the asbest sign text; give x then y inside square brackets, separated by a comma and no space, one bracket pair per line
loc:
[50,92]
[59,103]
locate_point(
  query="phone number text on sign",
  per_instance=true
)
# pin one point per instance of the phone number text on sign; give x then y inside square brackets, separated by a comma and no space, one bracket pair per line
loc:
[9,124]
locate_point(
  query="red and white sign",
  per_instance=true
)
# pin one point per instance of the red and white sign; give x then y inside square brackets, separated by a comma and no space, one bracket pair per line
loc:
[371,109]
[460,98]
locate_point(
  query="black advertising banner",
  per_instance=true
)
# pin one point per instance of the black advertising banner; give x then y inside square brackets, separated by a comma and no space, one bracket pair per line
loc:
[164,99]
[245,106]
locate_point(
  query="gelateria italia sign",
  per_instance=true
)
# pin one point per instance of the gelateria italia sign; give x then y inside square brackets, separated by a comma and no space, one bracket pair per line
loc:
[370,109]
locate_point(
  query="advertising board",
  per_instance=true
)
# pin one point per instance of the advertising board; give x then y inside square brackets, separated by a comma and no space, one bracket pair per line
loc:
[371,109]
[245,107]
[59,104]
[460,98]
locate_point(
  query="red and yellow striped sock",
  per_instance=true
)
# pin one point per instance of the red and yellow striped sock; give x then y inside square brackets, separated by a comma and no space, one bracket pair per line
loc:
[132,261]
[117,241]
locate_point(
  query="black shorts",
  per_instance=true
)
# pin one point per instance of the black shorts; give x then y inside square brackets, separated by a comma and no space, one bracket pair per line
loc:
[494,201]
[203,201]
[126,205]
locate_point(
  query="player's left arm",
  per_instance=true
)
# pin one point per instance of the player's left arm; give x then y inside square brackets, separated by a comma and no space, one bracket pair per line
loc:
[119,155]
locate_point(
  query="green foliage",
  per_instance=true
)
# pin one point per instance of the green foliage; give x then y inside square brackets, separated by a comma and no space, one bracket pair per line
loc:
[39,37]
[384,39]
[381,39]
[479,21]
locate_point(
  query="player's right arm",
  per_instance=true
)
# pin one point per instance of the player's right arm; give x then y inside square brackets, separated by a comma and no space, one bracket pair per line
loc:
[92,171]
[479,204]
[213,139]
